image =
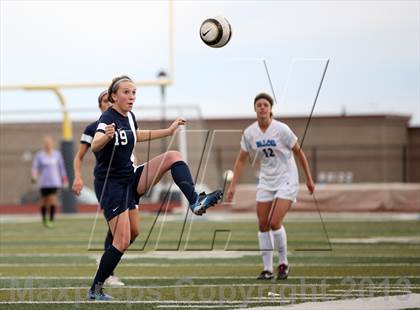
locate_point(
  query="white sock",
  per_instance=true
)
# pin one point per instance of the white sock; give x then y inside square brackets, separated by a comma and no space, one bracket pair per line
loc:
[280,243]
[266,246]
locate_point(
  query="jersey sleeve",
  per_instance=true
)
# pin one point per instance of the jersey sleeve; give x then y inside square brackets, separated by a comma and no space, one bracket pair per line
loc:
[290,137]
[87,135]
[245,146]
[105,119]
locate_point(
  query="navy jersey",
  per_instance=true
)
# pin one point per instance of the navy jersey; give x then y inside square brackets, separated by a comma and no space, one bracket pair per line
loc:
[124,140]
[89,133]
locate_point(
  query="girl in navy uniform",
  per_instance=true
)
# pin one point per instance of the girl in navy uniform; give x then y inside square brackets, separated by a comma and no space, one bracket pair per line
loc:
[118,186]
[85,142]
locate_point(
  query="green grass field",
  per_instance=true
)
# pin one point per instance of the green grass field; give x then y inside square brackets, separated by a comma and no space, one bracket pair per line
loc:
[171,265]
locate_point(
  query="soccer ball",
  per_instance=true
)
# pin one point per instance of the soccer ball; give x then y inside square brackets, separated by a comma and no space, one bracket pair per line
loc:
[216,32]
[228,175]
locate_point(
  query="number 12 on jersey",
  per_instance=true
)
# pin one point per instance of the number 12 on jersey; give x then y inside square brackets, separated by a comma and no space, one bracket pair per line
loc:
[268,152]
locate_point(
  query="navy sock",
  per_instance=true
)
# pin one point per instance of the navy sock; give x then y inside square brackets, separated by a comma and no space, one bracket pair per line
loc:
[44,213]
[109,261]
[108,242]
[108,239]
[182,177]
[52,212]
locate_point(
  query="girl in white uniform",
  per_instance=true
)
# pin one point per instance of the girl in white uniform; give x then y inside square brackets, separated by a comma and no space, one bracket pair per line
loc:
[274,144]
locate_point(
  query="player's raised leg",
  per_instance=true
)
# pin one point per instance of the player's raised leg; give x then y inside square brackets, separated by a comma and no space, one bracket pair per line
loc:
[172,160]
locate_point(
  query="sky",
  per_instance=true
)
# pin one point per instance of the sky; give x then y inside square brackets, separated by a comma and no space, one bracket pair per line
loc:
[372,46]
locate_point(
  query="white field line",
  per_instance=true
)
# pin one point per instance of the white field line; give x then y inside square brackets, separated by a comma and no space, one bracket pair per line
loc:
[245,216]
[144,287]
[292,300]
[198,306]
[203,277]
[185,302]
[369,303]
[391,289]
[375,240]
[397,287]
[23,264]
[353,292]
[308,297]
[171,303]
[207,254]
[192,285]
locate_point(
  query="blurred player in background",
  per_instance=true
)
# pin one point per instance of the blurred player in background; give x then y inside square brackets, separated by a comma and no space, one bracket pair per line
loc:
[274,143]
[49,171]
[85,141]
[119,187]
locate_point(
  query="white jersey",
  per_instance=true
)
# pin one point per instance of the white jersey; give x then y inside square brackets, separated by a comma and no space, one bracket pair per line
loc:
[274,148]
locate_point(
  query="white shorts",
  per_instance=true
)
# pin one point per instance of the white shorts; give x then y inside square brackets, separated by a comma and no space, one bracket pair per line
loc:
[288,193]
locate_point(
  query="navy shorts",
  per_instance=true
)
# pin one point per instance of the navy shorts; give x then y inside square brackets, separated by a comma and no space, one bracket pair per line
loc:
[137,174]
[46,191]
[118,195]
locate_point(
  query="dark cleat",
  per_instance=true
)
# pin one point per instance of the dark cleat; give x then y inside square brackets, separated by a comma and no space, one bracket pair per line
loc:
[283,272]
[205,201]
[98,295]
[265,275]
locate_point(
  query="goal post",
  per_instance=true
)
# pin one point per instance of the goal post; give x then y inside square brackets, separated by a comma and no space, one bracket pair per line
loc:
[67,147]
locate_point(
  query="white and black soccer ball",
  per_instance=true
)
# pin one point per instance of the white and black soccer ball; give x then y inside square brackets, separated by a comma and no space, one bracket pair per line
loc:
[216,31]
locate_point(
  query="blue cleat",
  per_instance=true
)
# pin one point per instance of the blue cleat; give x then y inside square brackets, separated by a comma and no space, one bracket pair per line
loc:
[205,201]
[98,295]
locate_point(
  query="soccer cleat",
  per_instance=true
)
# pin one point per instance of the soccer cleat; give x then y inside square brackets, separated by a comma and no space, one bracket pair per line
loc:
[49,224]
[98,295]
[205,201]
[113,281]
[283,272]
[265,275]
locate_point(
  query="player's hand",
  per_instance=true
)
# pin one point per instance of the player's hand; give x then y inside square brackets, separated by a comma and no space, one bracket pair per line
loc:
[311,186]
[175,124]
[230,193]
[110,130]
[77,186]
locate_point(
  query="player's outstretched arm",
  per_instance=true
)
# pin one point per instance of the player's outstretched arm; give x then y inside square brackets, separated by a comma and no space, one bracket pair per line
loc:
[237,170]
[77,165]
[101,139]
[146,135]
[305,165]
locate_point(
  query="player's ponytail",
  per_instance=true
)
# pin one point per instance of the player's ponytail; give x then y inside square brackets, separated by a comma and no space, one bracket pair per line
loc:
[101,96]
